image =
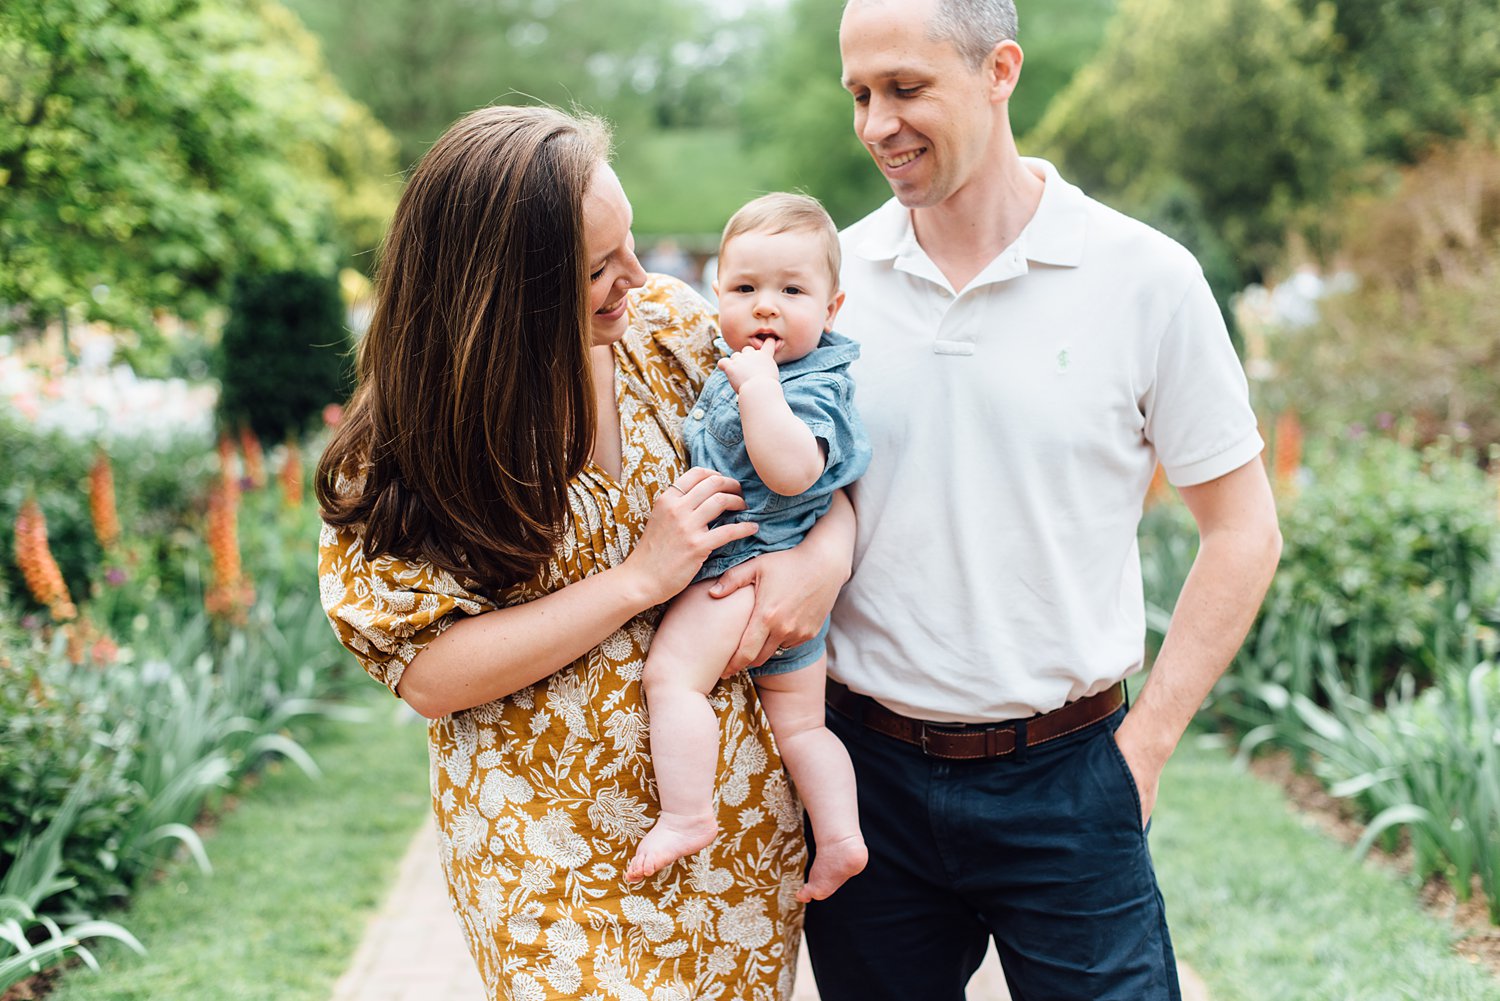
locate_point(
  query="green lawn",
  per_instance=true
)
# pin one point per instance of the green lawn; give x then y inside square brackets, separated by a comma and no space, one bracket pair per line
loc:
[1265,907]
[299,866]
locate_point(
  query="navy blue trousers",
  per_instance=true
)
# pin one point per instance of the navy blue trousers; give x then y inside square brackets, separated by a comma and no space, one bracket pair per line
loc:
[1044,854]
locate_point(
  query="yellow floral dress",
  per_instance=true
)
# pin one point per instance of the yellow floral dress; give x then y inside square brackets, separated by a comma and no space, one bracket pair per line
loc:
[542,796]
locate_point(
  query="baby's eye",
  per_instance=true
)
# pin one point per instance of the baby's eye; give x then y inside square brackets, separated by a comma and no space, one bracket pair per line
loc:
[792,290]
[744,288]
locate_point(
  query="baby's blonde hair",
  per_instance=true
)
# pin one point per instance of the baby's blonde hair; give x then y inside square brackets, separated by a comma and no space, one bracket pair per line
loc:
[781,212]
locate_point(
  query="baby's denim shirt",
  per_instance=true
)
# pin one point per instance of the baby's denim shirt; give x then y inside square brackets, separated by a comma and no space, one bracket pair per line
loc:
[819,391]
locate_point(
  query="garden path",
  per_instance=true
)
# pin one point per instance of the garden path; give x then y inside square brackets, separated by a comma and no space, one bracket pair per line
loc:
[413,951]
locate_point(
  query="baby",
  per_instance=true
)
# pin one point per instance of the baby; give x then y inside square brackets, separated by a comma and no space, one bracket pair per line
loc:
[779,417]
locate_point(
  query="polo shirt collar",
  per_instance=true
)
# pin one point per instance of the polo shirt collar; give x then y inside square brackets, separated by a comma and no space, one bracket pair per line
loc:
[1055,235]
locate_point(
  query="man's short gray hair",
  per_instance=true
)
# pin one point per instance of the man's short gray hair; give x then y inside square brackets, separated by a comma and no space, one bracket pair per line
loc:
[974,27]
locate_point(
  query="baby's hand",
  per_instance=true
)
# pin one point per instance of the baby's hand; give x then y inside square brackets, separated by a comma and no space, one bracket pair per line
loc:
[749,363]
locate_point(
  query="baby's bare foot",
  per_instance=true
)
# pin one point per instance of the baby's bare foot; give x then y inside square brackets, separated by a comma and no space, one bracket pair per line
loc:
[672,837]
[832,864]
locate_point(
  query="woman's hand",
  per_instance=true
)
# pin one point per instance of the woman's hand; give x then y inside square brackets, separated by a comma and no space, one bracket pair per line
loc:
[794,589]
[678,539]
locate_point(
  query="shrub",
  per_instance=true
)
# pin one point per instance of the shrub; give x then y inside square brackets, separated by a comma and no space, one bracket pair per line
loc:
[284,354]
[1416,337]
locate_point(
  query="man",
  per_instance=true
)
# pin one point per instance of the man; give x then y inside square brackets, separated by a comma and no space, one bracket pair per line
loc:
[1028,357]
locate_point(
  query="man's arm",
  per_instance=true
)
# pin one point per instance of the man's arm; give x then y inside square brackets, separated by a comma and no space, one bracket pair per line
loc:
[795,589]
[1239,548]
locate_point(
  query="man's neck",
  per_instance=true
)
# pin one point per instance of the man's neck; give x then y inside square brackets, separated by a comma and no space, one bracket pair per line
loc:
[969,229]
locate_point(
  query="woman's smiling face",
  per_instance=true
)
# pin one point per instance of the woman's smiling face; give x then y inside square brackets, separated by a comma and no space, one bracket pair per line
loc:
[612,266]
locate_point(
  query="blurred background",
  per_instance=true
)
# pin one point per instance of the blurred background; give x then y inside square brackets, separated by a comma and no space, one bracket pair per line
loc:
[192,194]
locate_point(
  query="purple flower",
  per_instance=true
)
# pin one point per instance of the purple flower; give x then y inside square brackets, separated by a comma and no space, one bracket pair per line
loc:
[1357,430]
[1384,420]
[114,576]
[30,622]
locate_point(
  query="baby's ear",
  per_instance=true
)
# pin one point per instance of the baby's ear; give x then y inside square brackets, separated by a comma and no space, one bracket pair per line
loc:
[833,310]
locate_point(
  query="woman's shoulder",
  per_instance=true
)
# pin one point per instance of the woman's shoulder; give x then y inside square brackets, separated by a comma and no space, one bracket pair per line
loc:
[673,324]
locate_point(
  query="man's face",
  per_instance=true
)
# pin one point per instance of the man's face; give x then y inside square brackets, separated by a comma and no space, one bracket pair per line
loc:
[924,115]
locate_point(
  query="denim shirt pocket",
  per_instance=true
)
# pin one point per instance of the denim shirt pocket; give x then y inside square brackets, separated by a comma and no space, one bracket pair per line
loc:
[724,421]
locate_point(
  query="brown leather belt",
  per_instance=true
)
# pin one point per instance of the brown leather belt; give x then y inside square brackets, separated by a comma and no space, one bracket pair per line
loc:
[975,741]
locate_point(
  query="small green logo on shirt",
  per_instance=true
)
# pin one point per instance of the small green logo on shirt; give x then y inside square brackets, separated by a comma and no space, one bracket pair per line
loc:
[1062,360]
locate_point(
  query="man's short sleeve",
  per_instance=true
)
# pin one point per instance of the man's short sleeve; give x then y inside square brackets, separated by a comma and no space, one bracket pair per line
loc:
[1198,414]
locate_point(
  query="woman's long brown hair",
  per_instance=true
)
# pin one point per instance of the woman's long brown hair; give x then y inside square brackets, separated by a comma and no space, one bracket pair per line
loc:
[475,406]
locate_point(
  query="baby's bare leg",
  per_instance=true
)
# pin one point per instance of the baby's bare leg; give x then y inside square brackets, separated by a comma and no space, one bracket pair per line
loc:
[820,767]
[696,638]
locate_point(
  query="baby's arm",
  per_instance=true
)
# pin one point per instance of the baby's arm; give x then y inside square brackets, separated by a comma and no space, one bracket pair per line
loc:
[786,455]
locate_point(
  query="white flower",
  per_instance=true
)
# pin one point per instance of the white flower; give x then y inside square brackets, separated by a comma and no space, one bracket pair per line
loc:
[500,788]
[566,940]
[507,827]
[491,898]
[539,722]
[536,876]
[736,789]
[524,927]
[721,960]
[751,817]
[566,698]
[617,646]
[603,872]
[746,925]
[669,992]
[564,975]
[777,797]
[704,878]
[469,832]
[523,987]
[655,925]
[750,757]
[619,816]
[694,913]
[553,837]
[671,950]
[626,730]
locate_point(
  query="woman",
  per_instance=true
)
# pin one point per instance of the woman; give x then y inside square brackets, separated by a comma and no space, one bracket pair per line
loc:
[506,505]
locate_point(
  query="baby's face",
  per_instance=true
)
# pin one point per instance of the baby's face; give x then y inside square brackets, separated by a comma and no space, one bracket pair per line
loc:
[774,290]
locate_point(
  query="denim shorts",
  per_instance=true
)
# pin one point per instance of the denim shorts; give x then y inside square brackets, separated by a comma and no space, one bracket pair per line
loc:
[800,656]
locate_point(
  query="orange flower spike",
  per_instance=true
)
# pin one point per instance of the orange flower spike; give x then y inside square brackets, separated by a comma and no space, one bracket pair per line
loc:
[1288,450]
[230,595]
[291,475]
[38,567]
[1160,490]
[226,459]
[255,458]
[102,508]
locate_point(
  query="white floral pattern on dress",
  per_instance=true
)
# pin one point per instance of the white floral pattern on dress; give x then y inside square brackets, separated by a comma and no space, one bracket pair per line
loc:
[542,796]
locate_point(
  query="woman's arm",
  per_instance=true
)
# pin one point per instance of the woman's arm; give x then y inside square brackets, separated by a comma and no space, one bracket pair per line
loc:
[485,657]
[795,588]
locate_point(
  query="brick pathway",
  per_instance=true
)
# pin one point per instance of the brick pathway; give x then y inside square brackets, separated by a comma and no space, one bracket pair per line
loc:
[413,951]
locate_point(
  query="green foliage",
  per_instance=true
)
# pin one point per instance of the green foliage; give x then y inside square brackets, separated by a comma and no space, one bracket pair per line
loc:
[1384,546]
[670,190]
[1416,335]
[1427,71]
[285,353]
[643,63]
[299,868]
[1233,98]
[159,486]
[149,149]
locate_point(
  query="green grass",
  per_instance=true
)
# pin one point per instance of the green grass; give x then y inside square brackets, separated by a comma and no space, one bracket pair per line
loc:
[299,865]
[1263,906]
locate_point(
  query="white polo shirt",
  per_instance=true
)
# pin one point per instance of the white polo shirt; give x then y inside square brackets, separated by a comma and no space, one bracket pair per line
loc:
[1015,426]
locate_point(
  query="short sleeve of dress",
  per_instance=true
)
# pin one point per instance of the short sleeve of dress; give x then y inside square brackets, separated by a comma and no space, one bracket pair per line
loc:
[386,610]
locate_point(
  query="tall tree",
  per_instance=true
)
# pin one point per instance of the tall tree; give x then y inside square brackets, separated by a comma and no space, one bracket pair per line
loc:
[1233,99]
[149,149]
